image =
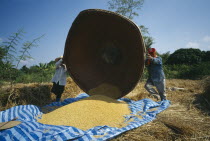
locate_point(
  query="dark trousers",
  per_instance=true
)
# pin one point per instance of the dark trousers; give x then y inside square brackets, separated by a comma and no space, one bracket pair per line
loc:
[57,90]
[160,88]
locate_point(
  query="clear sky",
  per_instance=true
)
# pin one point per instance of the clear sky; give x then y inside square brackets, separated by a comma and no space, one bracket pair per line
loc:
[173,24]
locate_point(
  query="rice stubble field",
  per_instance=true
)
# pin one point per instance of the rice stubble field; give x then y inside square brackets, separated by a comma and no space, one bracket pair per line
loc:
[187,118]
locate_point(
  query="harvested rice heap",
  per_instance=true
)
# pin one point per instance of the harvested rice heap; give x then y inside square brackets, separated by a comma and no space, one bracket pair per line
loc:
[107,90]
[97,110]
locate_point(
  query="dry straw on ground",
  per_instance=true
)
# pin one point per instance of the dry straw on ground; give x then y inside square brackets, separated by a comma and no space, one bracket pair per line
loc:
[206,84]
[181,121]
[33,93]
[186,119]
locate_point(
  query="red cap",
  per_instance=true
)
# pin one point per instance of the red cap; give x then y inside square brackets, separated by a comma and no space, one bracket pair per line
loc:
[150,50]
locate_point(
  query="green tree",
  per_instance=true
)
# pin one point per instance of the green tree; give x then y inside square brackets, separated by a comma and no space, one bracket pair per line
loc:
[206,56]
[2,54]
[8,52]
[43,68]
[44,71]
[24,52]
[10,46]
[24,69]
[165,56]
[52,63]
[186,56]
[11,56]
[129,9]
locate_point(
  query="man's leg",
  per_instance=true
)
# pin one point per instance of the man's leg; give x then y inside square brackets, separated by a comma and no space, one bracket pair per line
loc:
[149,87]
[161,89]
[53,90]
[60,92]
[58,97]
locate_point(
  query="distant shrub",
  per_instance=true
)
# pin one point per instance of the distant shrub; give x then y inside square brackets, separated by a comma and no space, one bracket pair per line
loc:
[197,71]
[175,71]
[206,56]
[34,77]
[182,71]
[186,56]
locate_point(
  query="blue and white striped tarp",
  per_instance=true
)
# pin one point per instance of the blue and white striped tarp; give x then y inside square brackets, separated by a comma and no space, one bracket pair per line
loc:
[31,130]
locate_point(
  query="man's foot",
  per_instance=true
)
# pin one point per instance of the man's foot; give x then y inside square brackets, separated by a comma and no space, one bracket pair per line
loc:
[155,96]
[163,97]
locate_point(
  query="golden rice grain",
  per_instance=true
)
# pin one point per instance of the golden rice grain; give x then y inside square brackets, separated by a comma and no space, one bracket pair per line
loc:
[107,90]
[97,110]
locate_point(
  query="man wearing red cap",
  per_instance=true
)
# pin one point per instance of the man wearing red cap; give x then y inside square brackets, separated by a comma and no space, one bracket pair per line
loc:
[156,75]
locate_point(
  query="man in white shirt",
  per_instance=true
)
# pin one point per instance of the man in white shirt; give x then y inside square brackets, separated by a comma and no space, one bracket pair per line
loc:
[59,78]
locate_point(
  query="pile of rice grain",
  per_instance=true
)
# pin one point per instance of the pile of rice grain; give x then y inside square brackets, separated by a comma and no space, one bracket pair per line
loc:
[97,110]
[107,90]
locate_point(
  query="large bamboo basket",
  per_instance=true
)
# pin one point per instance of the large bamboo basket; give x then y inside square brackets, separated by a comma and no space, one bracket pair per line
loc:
[104,50]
